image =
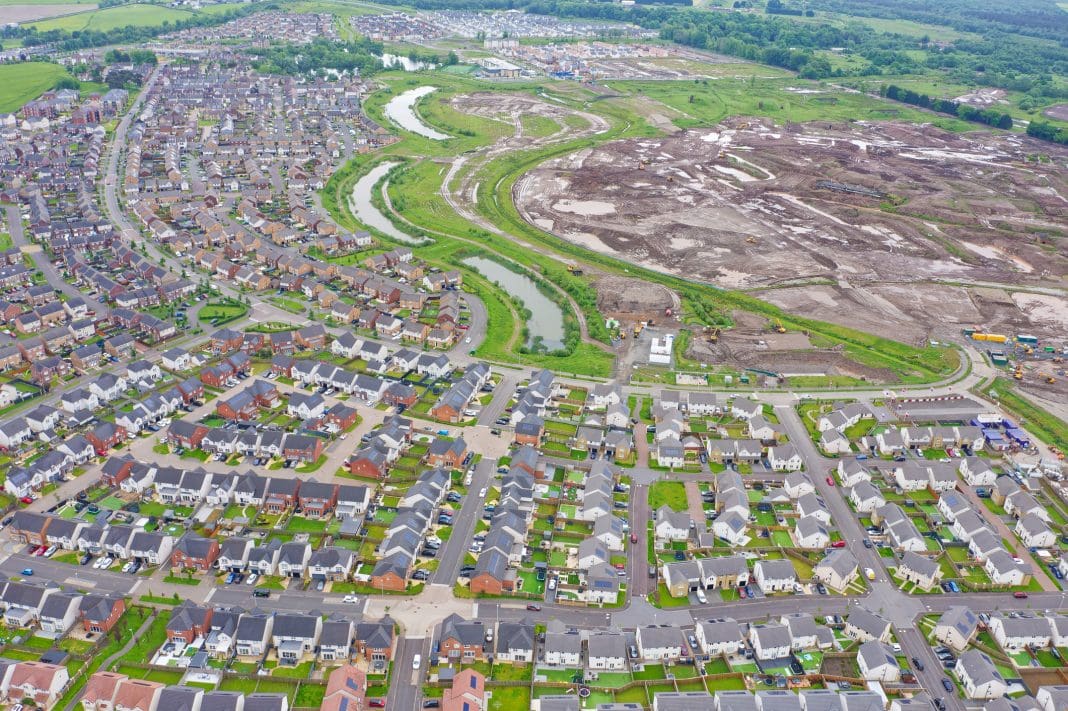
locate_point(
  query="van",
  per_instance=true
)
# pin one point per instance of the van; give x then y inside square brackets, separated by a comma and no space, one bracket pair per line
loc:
[652,571]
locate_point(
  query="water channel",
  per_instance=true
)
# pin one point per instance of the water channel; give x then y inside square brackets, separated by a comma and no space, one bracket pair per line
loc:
[546,319]
[401,111]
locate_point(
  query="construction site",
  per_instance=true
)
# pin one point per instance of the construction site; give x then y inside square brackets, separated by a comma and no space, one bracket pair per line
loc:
[886,227]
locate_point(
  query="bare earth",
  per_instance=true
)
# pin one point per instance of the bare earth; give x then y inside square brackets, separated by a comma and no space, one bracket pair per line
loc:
[878,212]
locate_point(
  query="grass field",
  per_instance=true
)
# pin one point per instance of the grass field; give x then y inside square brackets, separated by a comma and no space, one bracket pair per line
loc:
[671,493]
[113,17]
[20,83]
[1037,421]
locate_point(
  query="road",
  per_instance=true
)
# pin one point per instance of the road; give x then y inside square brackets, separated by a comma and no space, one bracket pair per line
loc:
[451,555]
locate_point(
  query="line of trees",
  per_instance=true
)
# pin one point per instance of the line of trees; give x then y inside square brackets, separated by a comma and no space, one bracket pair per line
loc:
[1047,132]
[991,117]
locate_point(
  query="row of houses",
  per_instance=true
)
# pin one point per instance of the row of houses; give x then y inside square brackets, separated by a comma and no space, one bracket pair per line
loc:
[404,535]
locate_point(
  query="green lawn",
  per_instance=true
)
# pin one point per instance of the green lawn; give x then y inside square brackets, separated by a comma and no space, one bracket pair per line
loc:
[670,493]
[114,17]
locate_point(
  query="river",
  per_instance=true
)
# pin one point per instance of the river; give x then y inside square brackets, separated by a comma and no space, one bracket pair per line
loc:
[401,111]
[546,319]
[368,214]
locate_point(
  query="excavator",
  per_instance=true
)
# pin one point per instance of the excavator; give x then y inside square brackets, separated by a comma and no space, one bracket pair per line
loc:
[779,328]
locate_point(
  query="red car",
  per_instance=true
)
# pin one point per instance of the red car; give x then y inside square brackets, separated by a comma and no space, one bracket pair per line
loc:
[634,538]
[741,593]
[377,703]
[838,544]
[830,481]
[1019,595]
[26,500]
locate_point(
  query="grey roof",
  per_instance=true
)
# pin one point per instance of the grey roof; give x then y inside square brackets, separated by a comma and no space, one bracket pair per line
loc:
[960,618]
[265,702]
[689,701]
[727,630]
[979,668]
[772,635]
[179,698]
[868,622]
[920,564]
[515,636]
[295,625]
[563,642]
[336,633]
[607,645]
[875,654]
[661,637]
[820,700]
[221,701]
[776,700]
[467,632]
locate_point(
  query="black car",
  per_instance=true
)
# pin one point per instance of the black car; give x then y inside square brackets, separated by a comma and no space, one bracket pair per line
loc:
[431,703]
[947,684]
[917,663]
[679,555]
[428,553]
[940,704]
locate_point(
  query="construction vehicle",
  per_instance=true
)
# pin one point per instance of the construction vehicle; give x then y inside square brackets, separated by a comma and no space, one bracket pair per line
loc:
[713,335]
[751,239]
[779,328]
[574,270]
[637,329]
[1018,374]
[622,334]
[1050,379]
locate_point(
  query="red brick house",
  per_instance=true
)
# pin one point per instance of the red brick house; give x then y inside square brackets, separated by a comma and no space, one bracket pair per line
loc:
[317,499]
[193,551]
[99,613]
[116,470]
[446,453]
[105,436]
[189,621]
[369,463]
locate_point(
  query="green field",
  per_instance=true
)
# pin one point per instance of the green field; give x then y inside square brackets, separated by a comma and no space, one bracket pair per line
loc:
[20,83]
[114,17]
[1047,427]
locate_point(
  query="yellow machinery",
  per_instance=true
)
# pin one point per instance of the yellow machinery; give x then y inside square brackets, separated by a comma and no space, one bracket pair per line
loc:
[779,328]
[1018,374]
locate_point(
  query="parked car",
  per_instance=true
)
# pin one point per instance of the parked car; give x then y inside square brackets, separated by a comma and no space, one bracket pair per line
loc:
[947,684]
[533,607]
[917,663]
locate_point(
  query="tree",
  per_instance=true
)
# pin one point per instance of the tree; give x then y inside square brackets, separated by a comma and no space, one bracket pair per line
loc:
[68,83]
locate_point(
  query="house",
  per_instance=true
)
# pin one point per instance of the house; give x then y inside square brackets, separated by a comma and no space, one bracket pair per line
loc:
[346,689]
[775,575]
[151,548]
[189,622]
[467,693]
[58,614]
[331,563]
[877,663]
[1034,532]
[837,569]
[295,635]
[252,634]
[606,651]
[447,453]
[1004,570]
[1049,698]
[100,690]
[138,695]
[671,525]
[720,637]
[921,570]
[811,533]
[659,643]
[797,484]
[977,471]
[100,612]
[335,642]
[979,676]
[770,641]
[562,649]
[193,551]
[373,640]
[515,642]
[864,625]
[462,639]
[865,497]
[36,680]
[293,559]
[956,627]
[1017,633]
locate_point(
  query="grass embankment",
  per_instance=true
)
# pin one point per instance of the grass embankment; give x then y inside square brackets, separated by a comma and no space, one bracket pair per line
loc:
[1044,425]
[25,81]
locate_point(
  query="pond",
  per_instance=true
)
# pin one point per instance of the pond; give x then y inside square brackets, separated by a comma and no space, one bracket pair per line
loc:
[401,111]
[396,61]
[546,319]
[367,213]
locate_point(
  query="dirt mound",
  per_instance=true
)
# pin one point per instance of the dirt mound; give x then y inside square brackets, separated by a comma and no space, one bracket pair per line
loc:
[632,299]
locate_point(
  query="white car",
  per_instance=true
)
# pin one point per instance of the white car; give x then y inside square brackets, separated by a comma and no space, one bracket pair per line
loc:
[701,598]
[251,579]
[50,552]
[351,599]
[104,563]
[482,493]
[416,661]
